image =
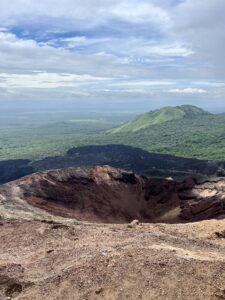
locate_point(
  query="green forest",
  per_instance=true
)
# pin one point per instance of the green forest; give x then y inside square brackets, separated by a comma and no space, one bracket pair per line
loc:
[184,131]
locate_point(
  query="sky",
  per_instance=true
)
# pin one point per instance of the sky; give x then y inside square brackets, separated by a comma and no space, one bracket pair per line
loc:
[124,54]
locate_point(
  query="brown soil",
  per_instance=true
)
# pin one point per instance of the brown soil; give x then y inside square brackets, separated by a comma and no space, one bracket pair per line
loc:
[47,256]
[42,260]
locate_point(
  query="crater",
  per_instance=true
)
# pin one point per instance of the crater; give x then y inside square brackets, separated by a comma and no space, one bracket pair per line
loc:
[109,195]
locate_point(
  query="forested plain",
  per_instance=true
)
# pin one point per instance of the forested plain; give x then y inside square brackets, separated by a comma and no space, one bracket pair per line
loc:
[198,136]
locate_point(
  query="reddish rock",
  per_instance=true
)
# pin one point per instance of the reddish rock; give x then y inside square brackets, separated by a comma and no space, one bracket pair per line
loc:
[105,194]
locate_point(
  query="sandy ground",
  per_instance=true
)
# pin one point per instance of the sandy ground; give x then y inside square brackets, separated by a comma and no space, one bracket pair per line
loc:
[52,260]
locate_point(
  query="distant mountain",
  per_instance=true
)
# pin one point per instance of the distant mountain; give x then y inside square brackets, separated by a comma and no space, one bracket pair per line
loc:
[160,116]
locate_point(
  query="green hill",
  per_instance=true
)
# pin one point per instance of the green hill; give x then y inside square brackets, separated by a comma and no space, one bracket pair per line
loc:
[160,116]
[186,131]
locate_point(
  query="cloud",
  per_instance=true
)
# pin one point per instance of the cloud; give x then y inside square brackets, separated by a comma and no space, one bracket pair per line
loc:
[83,13]
[19,55]
[213,84]
[202,23]
[40,80]
[140,12]
[167,50]
[132,91]
[112,49]
[187,91]
[143,83]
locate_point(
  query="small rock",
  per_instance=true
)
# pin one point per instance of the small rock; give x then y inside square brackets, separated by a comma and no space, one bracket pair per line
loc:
[220,235]
[50,251]
[169,179]
[133,224]
[99,291]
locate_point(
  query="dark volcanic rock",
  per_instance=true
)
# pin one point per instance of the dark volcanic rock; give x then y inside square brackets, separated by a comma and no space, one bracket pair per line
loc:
[118,156]
[14,169]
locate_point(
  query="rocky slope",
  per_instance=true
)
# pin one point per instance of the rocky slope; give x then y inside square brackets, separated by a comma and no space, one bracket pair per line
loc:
[44,255]
[105,194]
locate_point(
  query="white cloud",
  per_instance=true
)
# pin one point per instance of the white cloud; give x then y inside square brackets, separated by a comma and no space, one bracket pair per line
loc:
[83,13]
[25,55]
[124,47]
[129,91]
[143,83]
[187,91]
[140,12]
[170,50]
[140,47]
[45,80]
[202,23]
[3,29]
[212,84]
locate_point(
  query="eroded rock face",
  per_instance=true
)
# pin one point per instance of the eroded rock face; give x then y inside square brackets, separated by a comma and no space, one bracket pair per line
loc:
[105,194]
[202,200]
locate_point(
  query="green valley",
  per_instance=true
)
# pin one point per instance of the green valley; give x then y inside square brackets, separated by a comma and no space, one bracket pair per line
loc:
[185,131]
